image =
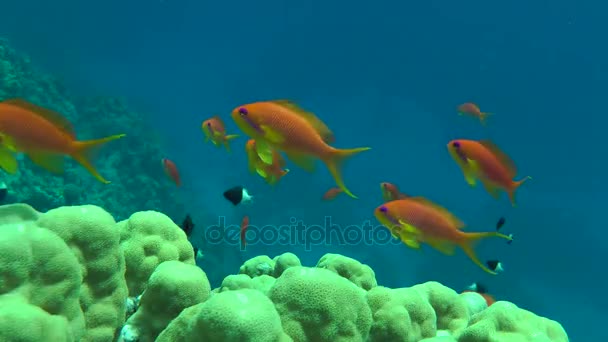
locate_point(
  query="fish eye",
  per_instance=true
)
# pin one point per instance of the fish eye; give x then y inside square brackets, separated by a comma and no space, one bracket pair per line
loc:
[208,124]
[383,209]
[456,144]
[243,111]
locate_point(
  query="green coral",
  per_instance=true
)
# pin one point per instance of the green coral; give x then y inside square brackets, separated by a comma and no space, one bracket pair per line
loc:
[147,239]
[37,270]
[92,235]
[317,305]
[172,287]
[505,322]
[233,316]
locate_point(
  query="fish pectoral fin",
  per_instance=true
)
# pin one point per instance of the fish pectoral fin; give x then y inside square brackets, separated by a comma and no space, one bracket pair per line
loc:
[410,241]
[470,171]
[264,151]
[409,229]
[272,135]
[304,161]
[491,189]
[261,172]
[445,247]
[8,162]
[49,161]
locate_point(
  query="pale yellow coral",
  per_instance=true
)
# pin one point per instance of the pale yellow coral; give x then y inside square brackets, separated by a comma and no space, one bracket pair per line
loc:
[505,322]
[172,287]
[232,316]
[37,269]
[93,237]
[147,239]
[318,305]
[359,274]
[411,314]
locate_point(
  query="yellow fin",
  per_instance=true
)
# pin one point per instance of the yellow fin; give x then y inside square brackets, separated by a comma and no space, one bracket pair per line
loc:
[57,119]
[261,172]
[458,224]
[408,228]
[8,162]
[505,160]
[271,135]
[49,161]
[491,188]
[87,150]
[264,151]
[443,246]
[470,172]
[326,134]
[304,161]
[411,242]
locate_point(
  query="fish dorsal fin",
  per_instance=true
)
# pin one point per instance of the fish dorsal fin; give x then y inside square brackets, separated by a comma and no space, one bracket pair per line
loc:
[319,126]
[57,119]
[504,159]
[444,212]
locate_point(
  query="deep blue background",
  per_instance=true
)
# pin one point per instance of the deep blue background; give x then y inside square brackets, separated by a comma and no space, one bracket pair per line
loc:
[384,74]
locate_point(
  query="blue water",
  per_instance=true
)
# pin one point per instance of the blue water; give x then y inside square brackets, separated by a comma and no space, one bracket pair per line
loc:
[388,75]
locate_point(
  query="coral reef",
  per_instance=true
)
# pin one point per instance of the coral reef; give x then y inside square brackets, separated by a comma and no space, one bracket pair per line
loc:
[138,156]
[74,274]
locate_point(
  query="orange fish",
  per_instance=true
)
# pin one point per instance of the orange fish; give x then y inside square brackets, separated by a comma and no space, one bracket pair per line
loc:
[390,192]
[215,131]
[471,109]
[45,137]
[331,194]
[284,126]
[484,161]
[416,220]
[244,226]
[271,173]
[171,171]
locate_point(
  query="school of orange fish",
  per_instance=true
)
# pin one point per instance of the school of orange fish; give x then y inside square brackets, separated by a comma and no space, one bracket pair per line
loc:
[278,128]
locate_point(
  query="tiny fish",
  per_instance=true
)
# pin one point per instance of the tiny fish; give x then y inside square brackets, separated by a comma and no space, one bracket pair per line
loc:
[331,194]
[244,226]
[215,131]
[171,171]
[471,109]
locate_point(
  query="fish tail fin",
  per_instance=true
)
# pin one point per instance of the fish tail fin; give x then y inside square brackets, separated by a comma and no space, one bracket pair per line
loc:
[228,139]
[483,117]
[335,161]
[471,239]
[85,152]
[516,184]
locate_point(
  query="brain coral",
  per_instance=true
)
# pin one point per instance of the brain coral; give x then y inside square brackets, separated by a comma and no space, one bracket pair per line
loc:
[318,305]
[172,287]
[93,237]
[39,274]
[148,238]
[233,316]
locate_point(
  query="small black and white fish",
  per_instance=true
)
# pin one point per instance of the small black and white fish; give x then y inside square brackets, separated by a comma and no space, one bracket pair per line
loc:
[237,195]
[495,266]
[477,287]
[188,225]
[188,228]
[499,224]
[3,191]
